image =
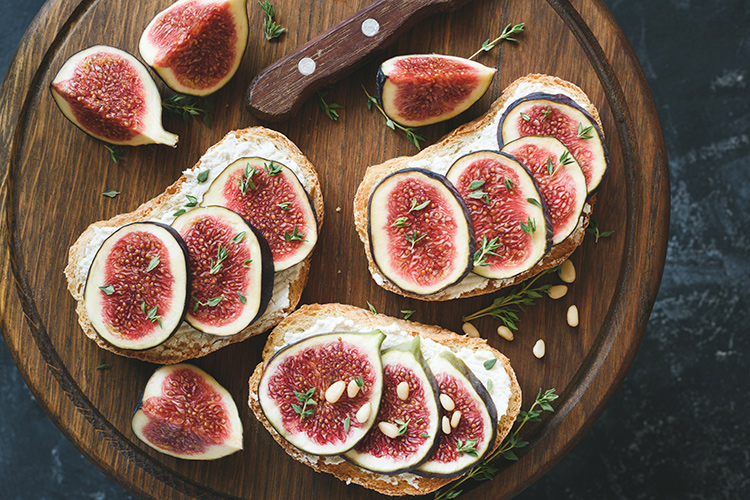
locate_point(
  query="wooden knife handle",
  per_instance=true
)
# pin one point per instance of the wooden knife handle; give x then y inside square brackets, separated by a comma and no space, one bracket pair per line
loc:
[279,90]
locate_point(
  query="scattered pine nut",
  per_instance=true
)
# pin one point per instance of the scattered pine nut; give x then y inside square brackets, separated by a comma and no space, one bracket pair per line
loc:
[402,390]
[539,349]
[446,425]
[470,330]
[505,332]
[573,316]
[447,402]
[388,429]
[557,291]
[455,418]
[567,272]
[352,389]
[338,209]
[364,413]
[334,392]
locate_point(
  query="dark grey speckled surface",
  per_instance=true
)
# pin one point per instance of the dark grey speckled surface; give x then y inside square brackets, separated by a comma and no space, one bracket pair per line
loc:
[677,428]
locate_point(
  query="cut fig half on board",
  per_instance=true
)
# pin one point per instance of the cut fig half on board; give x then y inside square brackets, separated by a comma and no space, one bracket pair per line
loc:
[417,90]
[185,413]
[559,177]
[303,390]
[196,46]
[557,115]
[408,422]
[420,232]
[111,96]
[508,213]
[231,270]
[270,196]
[137,288]
[470,419]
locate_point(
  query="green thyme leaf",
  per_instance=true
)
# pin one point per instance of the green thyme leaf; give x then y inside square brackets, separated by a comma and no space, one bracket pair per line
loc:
[509,184]
[151,265]
[103,366]
[110,194]
[114,152]
[347,424]
[179,212]
[593,228]
[246,179]
[490,384]
[221,254]
[415,207]
[468,447]
[534,202]
[400,222]
[414,238]
[473,185]
[550,167]
[372,308]
[272,168]
[294,236]
[525,117]
[242,298]
[407,313]
[108,289]
[328,108]
[566,158]
[192,201]
[489,363]
[529,227]
[202,176]
[546,112]
[284,205]
[585,132]
[239,237]
[359,381]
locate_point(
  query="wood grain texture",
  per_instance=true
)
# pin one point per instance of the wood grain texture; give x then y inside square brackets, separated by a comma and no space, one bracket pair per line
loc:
[53,176]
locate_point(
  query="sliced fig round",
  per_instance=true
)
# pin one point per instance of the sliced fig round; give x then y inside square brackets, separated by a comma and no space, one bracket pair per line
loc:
[559,177]
[137,288]
[196,46]
[559,116]
[409,407]
[231,270]
[508,213]
[110,95]
[303,390]
[420,231]
[271,197]
[185,413]
[475,429]
[418,90]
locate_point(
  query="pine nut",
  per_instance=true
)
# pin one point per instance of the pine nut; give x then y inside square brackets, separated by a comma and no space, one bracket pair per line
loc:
[363,414]
[402,390]
[539,349]
[455,418]
[505,332]
[352,389]
[470,330]
[446,425]
[388,429]
[334,392]
[573,316]
[567,272]
[447,402]
[557,291]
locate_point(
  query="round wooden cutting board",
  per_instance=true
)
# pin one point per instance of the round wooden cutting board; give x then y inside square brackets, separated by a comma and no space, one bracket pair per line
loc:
[53,176]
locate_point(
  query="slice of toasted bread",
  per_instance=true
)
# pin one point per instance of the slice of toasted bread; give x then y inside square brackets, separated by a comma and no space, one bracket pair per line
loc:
[473,136]
[188,343]
[311,319]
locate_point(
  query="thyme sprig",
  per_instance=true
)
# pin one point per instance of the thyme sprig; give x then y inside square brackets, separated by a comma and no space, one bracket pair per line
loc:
[507,34]
[476,191]
[487,249]
[187,108]
[210,302]
[221,254]
[594,229]
[328,108]
[507,307]
[294,236]
[306,399]
[246,179]
[114,152]
[486,471]
[270,29]
[413,137]
[585,132]
[414,238]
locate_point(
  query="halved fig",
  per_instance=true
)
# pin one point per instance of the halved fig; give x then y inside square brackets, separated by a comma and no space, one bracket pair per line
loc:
[271,197]
[509,215]
[559,177]
[110,95]
[409,406]
[418,90]
[294,390]
[559,116]
[231,270]
[185,413]
[475,429]
[196,46]
[137,288]
[420,231]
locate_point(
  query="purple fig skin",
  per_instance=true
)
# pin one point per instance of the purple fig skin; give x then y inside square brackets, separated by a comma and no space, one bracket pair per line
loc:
[186,270]
[481,391]
[567,101]
[464,212]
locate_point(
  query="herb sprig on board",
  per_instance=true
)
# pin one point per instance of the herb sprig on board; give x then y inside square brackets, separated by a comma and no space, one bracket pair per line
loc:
[270,29]
[330,109]
[486,471]
[506,308]
[507,34]
[187,108]
[413,137]
[594,229]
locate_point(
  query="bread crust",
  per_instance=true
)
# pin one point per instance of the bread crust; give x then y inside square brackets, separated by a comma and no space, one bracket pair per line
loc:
[448,146]
[303,319]
[188,343]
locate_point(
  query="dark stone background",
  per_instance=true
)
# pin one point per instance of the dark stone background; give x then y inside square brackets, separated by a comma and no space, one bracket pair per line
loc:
[677,428]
